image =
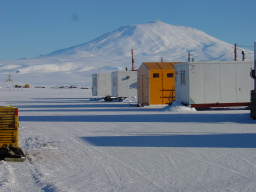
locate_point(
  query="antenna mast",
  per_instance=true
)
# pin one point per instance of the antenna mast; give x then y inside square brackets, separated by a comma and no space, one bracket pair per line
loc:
[189,56]
[133,61]
[235,52]
[9,81]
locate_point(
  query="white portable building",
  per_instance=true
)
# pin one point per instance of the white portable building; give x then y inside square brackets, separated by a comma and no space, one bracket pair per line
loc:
[124,83]
[214,84]
[101,84]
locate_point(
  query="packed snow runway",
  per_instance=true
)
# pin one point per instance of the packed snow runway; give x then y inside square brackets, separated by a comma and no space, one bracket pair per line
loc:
[75,143]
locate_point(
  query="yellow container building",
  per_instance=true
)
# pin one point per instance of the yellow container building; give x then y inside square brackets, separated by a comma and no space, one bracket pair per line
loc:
[156,83]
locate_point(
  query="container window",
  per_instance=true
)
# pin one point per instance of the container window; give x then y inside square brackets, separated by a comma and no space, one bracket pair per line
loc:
[169,75]
[156,75]
[126,78]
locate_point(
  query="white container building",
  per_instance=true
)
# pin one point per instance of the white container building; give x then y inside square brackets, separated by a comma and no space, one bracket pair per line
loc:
[214,84]
[124,83]
[101,84]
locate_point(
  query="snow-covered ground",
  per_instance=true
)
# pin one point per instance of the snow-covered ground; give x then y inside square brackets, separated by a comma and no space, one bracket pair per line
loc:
[78,144]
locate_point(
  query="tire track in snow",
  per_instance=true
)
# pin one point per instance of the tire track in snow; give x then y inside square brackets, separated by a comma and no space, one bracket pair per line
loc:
[196,156]
[215,164]
[108,172]
[127,166]
[38,178]
[171,160]
[7,178]
[36,146]
[197,181]
[249,162]
[112,175]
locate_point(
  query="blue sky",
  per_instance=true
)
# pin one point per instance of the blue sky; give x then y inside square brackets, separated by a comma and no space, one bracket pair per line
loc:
[29,28]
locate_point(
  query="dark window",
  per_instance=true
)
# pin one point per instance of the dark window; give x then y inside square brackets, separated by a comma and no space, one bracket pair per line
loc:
[126,78]
[169,75]
[155,75]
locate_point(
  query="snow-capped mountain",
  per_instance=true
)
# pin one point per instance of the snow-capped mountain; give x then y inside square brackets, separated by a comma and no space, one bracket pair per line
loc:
[111,51]
[155,39]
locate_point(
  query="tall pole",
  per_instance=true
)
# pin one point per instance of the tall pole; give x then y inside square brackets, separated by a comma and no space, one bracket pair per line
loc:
[254,65]
[133,61]
[189,55]
[235,53]
[253,92]
[243,55]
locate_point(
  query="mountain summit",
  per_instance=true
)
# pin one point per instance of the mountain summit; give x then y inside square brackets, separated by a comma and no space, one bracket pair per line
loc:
[111,51]
[156,39]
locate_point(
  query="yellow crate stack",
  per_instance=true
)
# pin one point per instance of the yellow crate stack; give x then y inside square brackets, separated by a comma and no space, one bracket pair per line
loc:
[9,133]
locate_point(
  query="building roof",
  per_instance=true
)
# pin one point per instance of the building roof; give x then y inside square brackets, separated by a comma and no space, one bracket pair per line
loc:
[159,65]
[217,62]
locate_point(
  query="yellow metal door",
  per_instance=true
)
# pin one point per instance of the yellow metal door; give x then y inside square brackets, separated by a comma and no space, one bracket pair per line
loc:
[156,87]
[169,87]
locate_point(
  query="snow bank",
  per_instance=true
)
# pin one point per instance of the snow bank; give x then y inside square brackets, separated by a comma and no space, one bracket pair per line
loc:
[178,107]
[131,100]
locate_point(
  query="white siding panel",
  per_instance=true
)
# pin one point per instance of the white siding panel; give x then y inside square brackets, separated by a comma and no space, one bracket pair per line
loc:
[114,84]
[196,83]
[124,83]
[94,84]
[182,87]
[244,83]
[104,84]
[211,82]
[228,83]
[101,84]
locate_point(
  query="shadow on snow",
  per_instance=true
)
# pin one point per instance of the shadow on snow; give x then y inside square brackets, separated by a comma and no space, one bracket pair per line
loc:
[175,118]
[110,109]
[200,141]
[90,105]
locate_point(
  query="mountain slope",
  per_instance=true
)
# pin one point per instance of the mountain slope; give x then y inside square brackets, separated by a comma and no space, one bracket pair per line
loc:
[111,51]
[152,39]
